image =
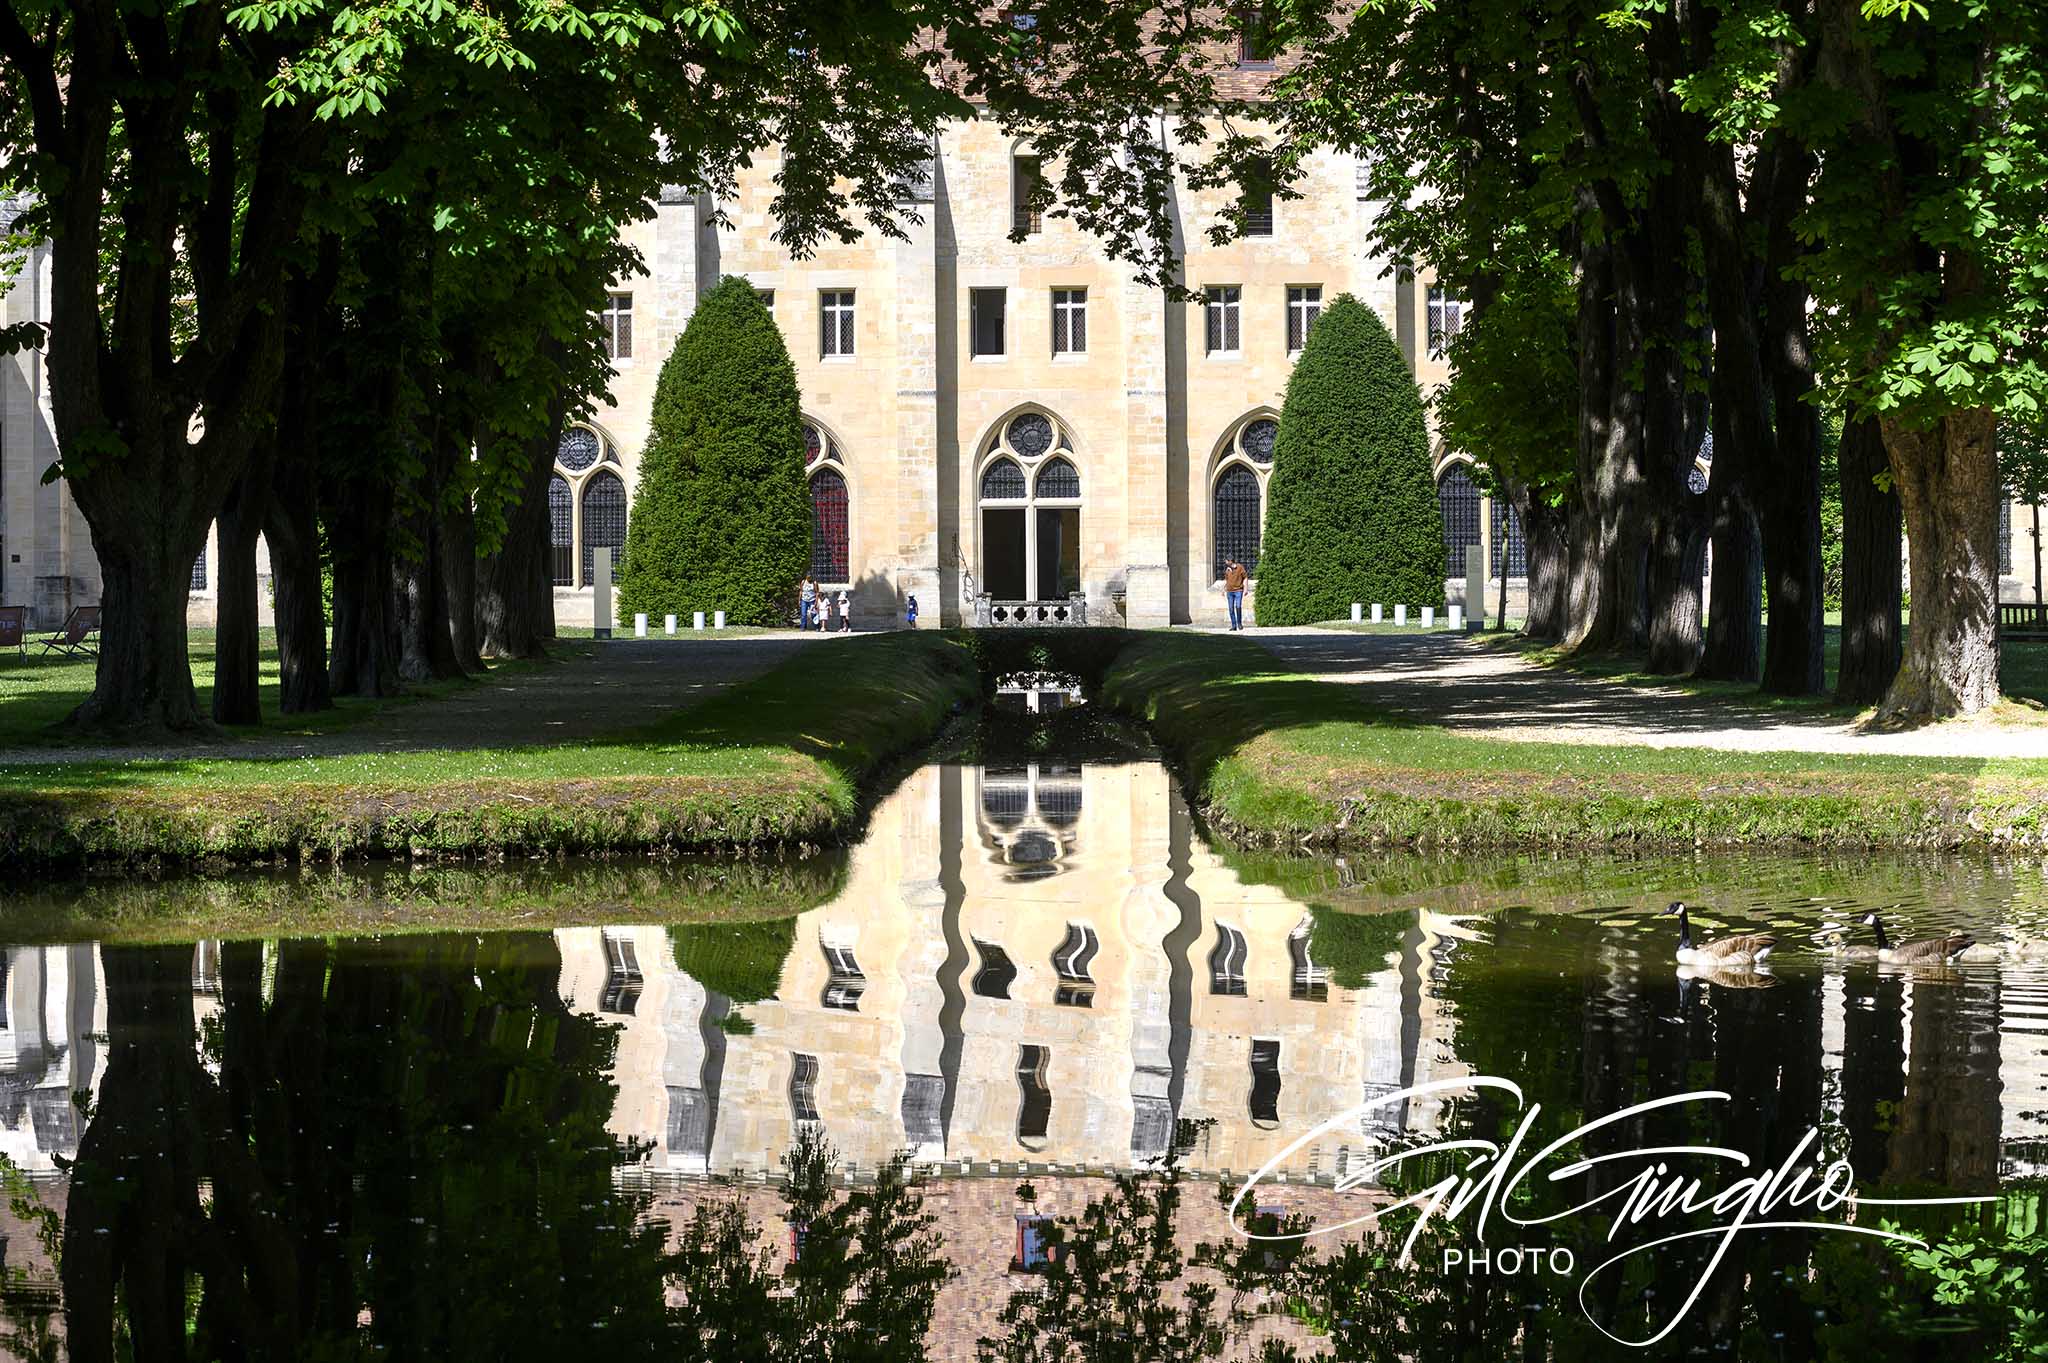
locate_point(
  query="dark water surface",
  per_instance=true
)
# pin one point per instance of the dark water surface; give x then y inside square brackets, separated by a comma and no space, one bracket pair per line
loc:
[408,1138]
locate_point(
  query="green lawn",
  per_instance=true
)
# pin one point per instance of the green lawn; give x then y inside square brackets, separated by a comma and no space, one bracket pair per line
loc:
[776,759]
[37,692]
[1283,756]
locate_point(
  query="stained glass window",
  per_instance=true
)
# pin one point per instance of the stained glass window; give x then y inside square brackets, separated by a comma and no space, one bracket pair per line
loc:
[1507,536]
[1002,480]
[1059,479]
[1458,499]
[578,450]
[829,557]
[199,570]
[1237,519]
[561,559]
[1258,439]
[1030,435]
[604,519]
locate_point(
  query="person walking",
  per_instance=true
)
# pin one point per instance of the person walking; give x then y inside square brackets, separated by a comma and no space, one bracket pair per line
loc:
[845,611]
[1233,591]
[806,602]
[910,613]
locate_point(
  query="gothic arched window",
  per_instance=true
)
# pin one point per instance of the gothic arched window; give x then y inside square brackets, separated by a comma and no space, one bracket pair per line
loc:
[604,518]
[1458,498]
[1237,518]
[829,534]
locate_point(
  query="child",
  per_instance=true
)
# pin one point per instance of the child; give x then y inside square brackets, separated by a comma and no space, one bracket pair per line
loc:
[824,612]
[845,612]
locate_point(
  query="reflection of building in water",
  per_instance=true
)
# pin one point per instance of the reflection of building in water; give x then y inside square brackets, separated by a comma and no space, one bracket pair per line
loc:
[2023,1072]
[1002,981]
[50,1039]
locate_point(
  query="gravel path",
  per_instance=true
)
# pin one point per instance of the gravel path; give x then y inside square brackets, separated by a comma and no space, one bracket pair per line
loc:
[1450,680]
[622,684]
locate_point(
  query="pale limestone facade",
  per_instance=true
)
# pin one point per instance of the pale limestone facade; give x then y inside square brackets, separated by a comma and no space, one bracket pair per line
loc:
[1151,412]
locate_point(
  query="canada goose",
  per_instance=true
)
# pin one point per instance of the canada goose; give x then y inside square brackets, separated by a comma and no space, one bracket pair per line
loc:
[1737,953]
[1933,951]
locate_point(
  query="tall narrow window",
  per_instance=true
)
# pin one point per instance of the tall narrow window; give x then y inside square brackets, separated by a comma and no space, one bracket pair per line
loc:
[986,309]
[835,322]
[1446,316]
[1311,982]
[1034,1107]
[1265,1096]
[998,972]
[2004,537]
[1226,962]
[1508,540]
[1257,45]
[604,518]
[199,570]
[1237,519]
[618,326]
[829,526]
[1220,308]
[1076,988]
[1255,200]
[1458,499]
[847,983]
[1069,321]
[622,978]
[561,548]
[803,1087]
[1304,305]
[1026,217]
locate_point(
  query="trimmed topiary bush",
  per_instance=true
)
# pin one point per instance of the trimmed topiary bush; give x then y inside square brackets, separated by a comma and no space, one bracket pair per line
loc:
[1351,511]
[722,516]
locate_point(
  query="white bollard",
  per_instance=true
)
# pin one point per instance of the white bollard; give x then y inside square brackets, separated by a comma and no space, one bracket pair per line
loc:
[600,593]
[1457,616]
[697,620]
[1356,611]
[1429,617]
[1375,612]
[639,624]
[668,623]
[718,620]
[1400,615]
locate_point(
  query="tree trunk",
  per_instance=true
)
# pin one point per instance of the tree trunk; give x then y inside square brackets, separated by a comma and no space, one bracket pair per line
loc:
[1677,561]
[1545,533]
[365,658]
[458,572]
[292,530]
[1609,540]
[1735,626]
[1947,481]
[143,680]
[1870,569]
[237,664]
[515,594]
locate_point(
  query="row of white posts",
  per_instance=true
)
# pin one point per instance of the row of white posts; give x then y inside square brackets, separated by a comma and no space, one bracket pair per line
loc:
[1472,609]
[601,604]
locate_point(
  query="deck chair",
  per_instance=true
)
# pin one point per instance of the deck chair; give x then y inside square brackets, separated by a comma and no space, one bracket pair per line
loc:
[78,636]
[14,628]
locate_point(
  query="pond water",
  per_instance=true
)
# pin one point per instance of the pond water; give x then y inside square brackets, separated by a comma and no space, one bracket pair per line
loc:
[1031,975]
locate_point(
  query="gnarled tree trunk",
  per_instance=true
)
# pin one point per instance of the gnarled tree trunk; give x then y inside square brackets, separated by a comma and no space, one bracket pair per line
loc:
[515,597]
[1947,481]
[1546,534]
[1735,626]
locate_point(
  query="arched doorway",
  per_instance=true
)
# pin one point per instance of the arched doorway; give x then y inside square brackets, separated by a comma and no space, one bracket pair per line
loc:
[1030,506]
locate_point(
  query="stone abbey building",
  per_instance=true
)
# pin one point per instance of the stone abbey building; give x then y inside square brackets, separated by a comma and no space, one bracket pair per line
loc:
[1015,419]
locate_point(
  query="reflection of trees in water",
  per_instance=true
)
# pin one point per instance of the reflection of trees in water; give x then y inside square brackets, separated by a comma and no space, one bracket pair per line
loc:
[422,1149]
[404,1155]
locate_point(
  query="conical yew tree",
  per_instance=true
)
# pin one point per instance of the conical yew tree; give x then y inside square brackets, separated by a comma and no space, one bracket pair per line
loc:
[1351,511]
[721,516]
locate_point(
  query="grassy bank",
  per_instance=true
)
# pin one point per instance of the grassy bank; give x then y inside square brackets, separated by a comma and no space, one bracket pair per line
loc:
[1279,758]
[776,760]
